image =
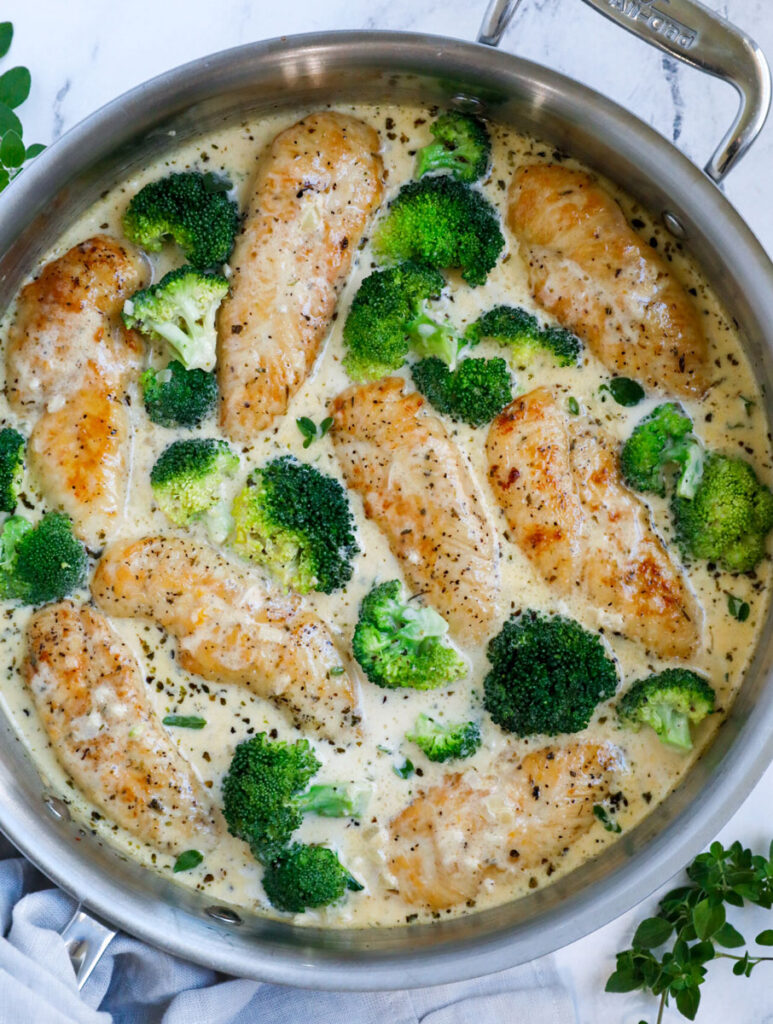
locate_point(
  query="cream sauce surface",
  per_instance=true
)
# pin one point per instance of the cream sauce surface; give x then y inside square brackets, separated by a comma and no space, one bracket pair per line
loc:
[729,418]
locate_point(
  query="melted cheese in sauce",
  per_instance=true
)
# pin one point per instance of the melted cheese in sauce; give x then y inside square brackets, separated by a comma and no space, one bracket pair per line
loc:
[729,418]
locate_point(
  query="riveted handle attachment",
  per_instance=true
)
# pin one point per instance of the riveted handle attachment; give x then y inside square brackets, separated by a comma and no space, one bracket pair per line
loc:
[692,33]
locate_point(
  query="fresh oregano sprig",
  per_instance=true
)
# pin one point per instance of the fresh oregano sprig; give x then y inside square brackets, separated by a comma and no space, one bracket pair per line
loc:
[693,920]
[14,90]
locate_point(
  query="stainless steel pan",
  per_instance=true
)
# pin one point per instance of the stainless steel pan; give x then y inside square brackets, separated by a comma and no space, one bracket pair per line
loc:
[306,71]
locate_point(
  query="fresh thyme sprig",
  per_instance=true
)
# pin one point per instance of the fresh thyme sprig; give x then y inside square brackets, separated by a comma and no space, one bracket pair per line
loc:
[14,90]
[695,917]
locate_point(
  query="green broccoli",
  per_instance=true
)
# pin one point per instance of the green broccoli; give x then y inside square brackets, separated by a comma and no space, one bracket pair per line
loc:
[442,223]
[264,803]
[519,331]
[475,392]
[40,563]
[260,790]
[191,208]
[303,877]
[547,675]
[729,516]
[181,310]
[444,743]
[663,437]
[398,643]
[188,480]
[668,702]
[386,316]
[297,522]
[462,146]
[176,397]
[11,467]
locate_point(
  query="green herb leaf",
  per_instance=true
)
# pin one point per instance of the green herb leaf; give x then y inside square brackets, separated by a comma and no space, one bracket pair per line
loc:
[748,404]
[622,981]
[653,931]
[687,1001]
[4,178]
[308,428]
[185,721]
[6,35]
[738,609]
[609,823]
[15,86]
[765,938]
[325,425]
[9,121]
[625,391]
[34,150]
[707,918]
[337,670]
[404,771]
[188,860]
[573,405]
[729,937]
[12,150]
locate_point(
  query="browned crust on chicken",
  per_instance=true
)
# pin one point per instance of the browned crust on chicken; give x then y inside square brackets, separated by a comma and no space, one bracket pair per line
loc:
[230,628]
[558,483]
[90,696]
[589,269]
[313,195]
[417,487]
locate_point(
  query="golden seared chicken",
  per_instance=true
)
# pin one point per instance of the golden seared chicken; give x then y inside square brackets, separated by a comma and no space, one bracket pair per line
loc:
[67,363]
[471,827]
[597,277]
[90,696]
[314,192]
[558,484]
[230,628]
[417,487]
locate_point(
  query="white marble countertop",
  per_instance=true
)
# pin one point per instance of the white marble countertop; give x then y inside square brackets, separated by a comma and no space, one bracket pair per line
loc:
[83,53]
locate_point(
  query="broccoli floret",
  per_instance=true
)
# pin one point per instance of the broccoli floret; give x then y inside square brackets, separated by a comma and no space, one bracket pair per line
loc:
[40,563]
[303,877]
[191,208]
[264,778]
[668,702]
[176,397]
[189,476]
[181,310]
[442,223]
[662,438]
[444,743]
[729,517]
[519,331]
[462,147]
[333,801]
[547,675]
[475,392]
[398,643]
[263,804]
[385,315]
[11,467]
[297,522]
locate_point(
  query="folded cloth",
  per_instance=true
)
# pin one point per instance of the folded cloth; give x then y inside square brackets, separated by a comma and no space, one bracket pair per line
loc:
[135,984]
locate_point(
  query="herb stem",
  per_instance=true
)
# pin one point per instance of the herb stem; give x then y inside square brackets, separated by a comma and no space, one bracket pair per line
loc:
[661,1008]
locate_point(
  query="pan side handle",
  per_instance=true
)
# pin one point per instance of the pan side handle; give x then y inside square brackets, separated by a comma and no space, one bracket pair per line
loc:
[692,33]
[86,939]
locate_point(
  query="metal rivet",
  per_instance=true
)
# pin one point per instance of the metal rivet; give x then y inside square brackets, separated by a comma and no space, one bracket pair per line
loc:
[674,225]
[465,102]
[57,808]
[223,914]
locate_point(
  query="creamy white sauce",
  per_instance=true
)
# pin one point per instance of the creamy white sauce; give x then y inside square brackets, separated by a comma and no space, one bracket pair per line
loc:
[724,419]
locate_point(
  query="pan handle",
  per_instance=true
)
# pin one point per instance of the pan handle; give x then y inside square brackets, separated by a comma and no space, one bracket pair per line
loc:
[692,33]
[86,939]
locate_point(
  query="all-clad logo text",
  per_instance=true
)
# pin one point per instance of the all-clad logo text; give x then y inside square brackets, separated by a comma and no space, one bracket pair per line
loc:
[656,20]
